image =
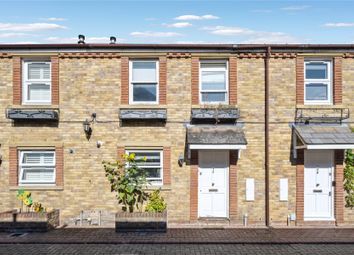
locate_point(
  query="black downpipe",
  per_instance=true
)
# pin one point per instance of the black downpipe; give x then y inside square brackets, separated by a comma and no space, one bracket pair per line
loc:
[266,138]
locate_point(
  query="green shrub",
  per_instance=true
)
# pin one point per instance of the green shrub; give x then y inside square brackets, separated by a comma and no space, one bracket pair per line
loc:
[156,203]
[349,178]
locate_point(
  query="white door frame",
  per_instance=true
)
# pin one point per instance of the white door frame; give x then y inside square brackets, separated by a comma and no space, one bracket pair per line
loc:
[226,181]
[332,216]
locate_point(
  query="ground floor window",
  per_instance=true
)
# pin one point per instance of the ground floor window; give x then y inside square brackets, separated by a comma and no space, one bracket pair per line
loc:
[153,165]
[37,167]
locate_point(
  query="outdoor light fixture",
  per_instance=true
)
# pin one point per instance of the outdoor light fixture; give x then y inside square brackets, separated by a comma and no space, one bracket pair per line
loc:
[180,160]
[87,125]
[87,129]
[112,40]
[81,39]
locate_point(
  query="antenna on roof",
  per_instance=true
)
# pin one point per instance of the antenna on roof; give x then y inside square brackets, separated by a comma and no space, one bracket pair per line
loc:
[81,39]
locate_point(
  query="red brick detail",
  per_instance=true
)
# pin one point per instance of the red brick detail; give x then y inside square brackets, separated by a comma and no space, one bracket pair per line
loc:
[300,80]
[108,55]
[166,165]
[55,79]
[162,80]
[13,166]
[124,75]
[300,187]
[233,185]
[232,80]
[59,165]
[17,80]
[337,80]
[194,186]
[195,80]
[339,189]
[178,55]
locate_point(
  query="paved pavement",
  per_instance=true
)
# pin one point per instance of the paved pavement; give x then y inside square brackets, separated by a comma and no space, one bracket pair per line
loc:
[171,249]
[187,236]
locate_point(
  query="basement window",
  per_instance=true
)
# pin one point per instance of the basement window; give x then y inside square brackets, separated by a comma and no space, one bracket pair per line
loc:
[144,82]
[36,85]
[37,167]
[318,82]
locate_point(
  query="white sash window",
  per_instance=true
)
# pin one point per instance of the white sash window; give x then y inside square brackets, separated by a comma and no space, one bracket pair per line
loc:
[36,82]
[318,82]
[144,82]
[153,166]
[37,167]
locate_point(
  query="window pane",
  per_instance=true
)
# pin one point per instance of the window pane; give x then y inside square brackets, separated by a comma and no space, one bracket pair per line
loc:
[316,91]
[152,158]
[144,92]
[38,71]
[213,80]
[38,175]
[213,97]
[38,92]
[316,71]
[144,71]
[31,158]
[153,172]
[213,65]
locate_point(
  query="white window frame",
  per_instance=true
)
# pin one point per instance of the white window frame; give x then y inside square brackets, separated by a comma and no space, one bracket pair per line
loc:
[214,69]
[131,92]
[41,165]
[155,181]
[26,82]
[327,81]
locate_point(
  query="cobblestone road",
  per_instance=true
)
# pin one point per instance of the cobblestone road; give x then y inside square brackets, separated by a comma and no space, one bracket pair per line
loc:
[130,249]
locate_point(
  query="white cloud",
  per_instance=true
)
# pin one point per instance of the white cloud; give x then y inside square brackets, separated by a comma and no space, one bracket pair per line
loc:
[196,17]
[252,36]
[29,27]
[339,24]
[262,11]
[12,35]
[228,31]
[154,34]
[179,25]
[295,8]
[53,19]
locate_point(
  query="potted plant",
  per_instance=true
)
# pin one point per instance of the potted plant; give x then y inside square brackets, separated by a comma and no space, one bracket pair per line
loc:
[34,218]
[129,183]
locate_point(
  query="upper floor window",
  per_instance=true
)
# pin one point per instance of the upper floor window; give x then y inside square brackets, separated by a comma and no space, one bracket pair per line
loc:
[318,82]
[213,81]
[36,82]
[37,167]
[152,166]
[144,81]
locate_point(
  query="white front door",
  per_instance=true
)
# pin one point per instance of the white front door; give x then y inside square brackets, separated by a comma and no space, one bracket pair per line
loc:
[213,183]
[318,188]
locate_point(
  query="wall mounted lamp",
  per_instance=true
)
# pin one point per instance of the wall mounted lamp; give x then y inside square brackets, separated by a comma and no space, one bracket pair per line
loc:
[87,126]
[180,160]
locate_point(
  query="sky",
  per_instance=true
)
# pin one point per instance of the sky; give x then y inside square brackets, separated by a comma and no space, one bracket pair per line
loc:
[194,21]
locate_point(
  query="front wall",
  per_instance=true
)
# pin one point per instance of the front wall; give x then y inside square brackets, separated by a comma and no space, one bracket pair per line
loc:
[93,85]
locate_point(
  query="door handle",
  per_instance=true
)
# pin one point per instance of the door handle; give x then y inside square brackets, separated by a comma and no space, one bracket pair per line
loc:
[317,191]
[213,190]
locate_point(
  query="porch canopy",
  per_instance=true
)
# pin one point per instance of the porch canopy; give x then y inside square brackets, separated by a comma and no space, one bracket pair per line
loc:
[216,137]
[323,136]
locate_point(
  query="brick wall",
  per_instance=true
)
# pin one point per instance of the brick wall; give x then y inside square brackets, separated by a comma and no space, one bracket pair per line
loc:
[55,79]
[17,80]
[300,80]
[124,88]
[232,80]
[233,185]
[300,187]
[162,80]
[339,190]
[13,166]
[337,80]
[194,186]
[195,80]
[59,165]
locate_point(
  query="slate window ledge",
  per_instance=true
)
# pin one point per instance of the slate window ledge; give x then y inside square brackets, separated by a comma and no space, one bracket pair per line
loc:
[143,114]
[222,114]
[33,113]
[37,187]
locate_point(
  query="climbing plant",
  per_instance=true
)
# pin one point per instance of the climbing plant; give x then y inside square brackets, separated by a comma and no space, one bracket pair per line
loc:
[349,178]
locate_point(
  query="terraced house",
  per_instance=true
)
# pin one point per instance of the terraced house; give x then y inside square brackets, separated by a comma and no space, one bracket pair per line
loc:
[234,133]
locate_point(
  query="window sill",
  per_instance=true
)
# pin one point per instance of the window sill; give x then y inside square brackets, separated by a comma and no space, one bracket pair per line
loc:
[147,106]
[31,106]
[160,187]
[319,106]
[37,187]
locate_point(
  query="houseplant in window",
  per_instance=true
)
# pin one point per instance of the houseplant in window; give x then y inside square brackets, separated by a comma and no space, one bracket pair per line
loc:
[129,181]
[30,217]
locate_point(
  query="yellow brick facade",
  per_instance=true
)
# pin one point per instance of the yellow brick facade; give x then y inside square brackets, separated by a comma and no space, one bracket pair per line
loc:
[90,85]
